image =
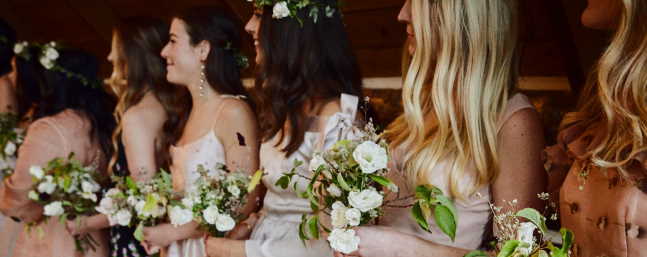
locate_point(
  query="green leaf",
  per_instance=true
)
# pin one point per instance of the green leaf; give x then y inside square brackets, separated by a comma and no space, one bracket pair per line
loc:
[418,215]
[542,253]
[283,182]
[476,253]
[508,248]
[449,204]
[342,183]
[313,224]
[567,242]
[139,232]
[150,204]
[256,179]
[302,234]
[383,181]
[446,221]
[535,217]
[130,183]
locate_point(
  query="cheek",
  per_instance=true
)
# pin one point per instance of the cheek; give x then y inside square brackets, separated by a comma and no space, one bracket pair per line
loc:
[602,14]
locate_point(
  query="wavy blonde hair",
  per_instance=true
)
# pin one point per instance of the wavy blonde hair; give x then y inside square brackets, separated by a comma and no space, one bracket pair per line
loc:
[455,88]
[615,98]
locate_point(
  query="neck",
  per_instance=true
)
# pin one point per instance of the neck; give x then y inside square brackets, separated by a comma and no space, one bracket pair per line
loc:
[201,97]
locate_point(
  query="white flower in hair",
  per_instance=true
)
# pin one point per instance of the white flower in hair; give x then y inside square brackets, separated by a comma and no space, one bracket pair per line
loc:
[19,47]
[281,10]
[47,63]
[10,148]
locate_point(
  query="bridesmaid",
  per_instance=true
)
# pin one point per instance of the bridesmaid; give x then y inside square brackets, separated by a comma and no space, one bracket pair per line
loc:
[201,56]
[464,129]
[72,117]
[601,154]
[148,112]
[304,68]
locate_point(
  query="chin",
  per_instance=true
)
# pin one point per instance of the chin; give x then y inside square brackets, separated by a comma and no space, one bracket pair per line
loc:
[596,19]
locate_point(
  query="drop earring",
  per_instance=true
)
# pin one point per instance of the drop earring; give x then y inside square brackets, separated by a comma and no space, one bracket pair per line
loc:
[202,81]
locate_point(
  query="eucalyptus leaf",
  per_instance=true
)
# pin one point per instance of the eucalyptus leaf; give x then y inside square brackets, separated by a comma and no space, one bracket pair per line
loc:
[313,224]
[417,214]
[535,217]
[342,182]
[446,221]
[476,253]
[508,248]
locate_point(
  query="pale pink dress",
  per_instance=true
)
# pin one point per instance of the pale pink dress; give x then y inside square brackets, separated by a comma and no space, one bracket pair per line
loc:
[473,213]
[276,233]
[48,138]
[607,213]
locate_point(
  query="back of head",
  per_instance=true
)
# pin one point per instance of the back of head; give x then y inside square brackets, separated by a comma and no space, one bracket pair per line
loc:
[7,41]
[305,58]
[615,96]
[461,75]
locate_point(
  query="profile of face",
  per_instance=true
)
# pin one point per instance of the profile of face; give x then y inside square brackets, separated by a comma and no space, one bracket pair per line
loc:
[602,14]
[252,28]
[183,60]
[405,17]
[114,59]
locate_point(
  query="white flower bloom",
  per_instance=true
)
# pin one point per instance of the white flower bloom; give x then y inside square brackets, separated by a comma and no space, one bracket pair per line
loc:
[234,190]
[366,200]
[139,208]
[334,190]
[51,53]
[53,209]
[33,195]
[280,10]
[122,218]
[344,241]
[10,148]
[90,187]
[353,216]
[210,214]
[188,202]
[106,206]
[19,47]
[37,172]
[338,215]
[180,216]
[47,63]
[47,186]
[132,201]
[525,234]
[316,162]
[89,196]
[225,222]
[371,157]
[113,192]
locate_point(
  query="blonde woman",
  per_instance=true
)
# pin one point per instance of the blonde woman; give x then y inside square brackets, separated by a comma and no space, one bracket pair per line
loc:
[463,130]
[601,146]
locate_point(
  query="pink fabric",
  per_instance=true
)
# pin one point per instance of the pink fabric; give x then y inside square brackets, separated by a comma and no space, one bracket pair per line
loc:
[48,138]
[607,213]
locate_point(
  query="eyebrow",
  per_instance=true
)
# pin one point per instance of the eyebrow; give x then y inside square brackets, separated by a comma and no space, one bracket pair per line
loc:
[172,35]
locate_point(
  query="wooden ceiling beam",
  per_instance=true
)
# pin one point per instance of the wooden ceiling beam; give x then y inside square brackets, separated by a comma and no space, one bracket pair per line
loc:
[98,15]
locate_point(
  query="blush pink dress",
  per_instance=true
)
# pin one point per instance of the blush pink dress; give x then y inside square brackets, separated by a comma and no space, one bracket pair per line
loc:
[473,221]
[46,139]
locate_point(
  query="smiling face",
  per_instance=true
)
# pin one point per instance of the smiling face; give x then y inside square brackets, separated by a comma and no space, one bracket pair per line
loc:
[602,14]
[405,17]
[252,28]
[183,60]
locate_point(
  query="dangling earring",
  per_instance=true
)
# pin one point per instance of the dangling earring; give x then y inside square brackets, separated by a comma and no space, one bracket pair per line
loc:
[202,81]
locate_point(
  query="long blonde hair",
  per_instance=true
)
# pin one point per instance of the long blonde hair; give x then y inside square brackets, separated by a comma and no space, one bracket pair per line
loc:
[615,98]
[456,86]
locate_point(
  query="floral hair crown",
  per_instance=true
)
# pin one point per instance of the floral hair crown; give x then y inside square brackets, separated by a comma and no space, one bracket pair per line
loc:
[290,8]
[47,56]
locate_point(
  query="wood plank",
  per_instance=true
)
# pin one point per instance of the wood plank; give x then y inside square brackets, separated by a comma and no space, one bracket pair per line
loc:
[375,29]
[98,15]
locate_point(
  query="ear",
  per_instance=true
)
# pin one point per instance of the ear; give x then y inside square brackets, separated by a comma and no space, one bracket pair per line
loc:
[204,47]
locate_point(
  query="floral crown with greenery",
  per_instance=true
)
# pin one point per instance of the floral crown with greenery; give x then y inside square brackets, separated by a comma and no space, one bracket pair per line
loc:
[47,56]
[290,8]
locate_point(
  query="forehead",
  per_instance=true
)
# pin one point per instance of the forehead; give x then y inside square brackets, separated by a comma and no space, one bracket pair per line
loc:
[178,27]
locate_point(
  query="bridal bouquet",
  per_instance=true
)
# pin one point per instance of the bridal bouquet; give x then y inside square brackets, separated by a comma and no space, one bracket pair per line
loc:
[214,203]
[141,204]
[67,190]
[11,138]
[528,238]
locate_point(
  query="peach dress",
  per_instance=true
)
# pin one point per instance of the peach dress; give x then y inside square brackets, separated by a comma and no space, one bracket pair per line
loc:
[48,138]
[473,221]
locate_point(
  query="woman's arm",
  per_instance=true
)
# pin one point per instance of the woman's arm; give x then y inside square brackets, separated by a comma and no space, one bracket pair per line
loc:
[140,127]
[87,224]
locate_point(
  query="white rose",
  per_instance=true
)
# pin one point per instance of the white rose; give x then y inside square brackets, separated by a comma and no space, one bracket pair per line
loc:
[37,172]
[47,63]
[51,53]
[180,216]
[139,208]
[234,190]
[371,157]
[10,149]
[106,206]
[210,214]
[132,201]
[525,234]
[188,202]
[316,162]
[90,186]
[33,195]
[366,200]
[280,10]
[344,241]
[225,223]
[122,218]
[19,47]
[48,186]
[353,216]
[334,190]
[338,215]
[53,209]
[89,196]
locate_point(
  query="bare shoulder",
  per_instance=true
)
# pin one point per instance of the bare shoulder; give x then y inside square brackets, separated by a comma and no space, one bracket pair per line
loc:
[149,115]
[237,109]
[330,108]
[525,122]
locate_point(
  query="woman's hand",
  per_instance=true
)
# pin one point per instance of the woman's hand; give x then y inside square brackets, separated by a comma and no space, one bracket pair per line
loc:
[244,228]
[158,237]
[78,226]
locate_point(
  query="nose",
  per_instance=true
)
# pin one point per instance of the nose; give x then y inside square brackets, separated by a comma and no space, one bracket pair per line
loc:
[252,25]
[164,52]
[405,13]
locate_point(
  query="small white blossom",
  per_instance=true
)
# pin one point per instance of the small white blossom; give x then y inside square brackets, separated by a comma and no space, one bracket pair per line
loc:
[90,187]
[33,195]
[234,190]
[89,196]
[365,200]
[525,234]
[180,216]
[338,215]
[106,206]
[316,162]
[353,216]
[280,10]
[210,214]
[344,241]
[19,47]
[10,148]
[113,192]
[122,218]
[47,186]
[37,172]
[543,196]
[53,209]
[224,222]
[47,63]
[371,157]
[334,190]
[51,52]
